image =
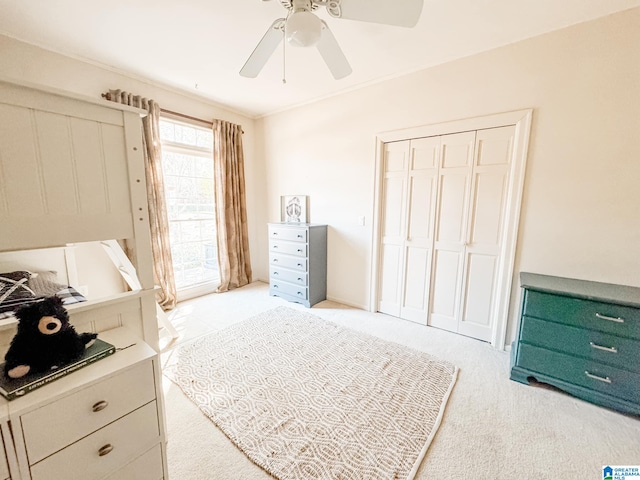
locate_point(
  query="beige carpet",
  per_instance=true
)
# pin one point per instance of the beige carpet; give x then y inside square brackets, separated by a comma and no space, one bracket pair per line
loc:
[307,398]
[492,426]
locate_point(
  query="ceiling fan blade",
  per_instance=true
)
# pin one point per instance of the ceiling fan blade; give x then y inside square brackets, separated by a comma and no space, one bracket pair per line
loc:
[263,50]
[332,54]
[403,13]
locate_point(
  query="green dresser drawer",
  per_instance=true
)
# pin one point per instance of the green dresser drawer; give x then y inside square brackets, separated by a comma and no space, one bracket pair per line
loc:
[601,316]
[580,371]
[590,344]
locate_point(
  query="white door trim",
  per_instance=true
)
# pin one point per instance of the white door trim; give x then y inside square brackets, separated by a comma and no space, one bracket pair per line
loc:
[522,121]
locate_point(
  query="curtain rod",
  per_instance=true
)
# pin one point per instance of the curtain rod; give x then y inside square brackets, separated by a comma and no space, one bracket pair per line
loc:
[189,117]
[182,115]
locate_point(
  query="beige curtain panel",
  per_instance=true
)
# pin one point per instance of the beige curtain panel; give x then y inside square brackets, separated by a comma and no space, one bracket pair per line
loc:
[231,209]
[161,248]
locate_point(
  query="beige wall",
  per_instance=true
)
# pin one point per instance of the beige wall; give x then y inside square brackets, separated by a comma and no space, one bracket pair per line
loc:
[32,64]
[581,206]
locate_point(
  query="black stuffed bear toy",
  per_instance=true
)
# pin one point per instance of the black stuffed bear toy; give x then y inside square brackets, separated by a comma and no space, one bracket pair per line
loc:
[45,339]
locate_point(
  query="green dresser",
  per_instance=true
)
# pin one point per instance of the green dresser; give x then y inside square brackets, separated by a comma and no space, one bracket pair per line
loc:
[582,337]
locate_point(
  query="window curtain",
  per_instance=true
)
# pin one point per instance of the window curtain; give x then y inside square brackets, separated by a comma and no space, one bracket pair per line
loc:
[160,246]
[231,210]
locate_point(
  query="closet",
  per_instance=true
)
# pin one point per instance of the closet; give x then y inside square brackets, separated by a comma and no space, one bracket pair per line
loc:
[448,207]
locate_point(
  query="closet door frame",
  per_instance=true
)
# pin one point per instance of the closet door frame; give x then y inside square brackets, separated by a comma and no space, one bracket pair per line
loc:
[521,119]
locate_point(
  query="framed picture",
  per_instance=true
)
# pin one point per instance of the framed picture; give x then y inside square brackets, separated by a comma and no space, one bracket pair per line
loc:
[293,209]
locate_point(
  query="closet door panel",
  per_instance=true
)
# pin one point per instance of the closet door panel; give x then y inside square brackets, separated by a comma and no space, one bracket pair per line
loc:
[445,290]
[423,170]
[390,281]
[394,188]
[451,226]
[487,216]
[415,284]
[487,207]
[451,218]
[479,283]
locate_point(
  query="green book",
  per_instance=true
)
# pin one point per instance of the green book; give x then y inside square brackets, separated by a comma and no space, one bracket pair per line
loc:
[11,388]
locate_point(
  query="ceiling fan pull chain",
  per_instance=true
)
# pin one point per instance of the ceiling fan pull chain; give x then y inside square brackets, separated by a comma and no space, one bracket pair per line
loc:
[284,57]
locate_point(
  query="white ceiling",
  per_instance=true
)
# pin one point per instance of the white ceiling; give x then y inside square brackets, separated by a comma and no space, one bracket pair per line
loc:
[200,45]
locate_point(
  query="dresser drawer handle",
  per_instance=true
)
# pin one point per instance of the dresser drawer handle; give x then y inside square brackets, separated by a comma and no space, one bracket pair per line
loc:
[276,286]
[300,293]
[299,236]
[276,273]
[275,234]
[300,250]
[611,319]
[606,349]
[299,264]
[275,246]
[106,450]
[100,406]
[596,377]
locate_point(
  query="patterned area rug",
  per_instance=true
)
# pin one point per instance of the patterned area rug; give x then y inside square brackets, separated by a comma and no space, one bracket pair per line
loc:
[304,398]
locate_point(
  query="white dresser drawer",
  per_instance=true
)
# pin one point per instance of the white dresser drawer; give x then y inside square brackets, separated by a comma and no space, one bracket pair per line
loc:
[288,261]
[57,424]
[288,233]
[282,274]
[82,460]
[290,248]
[288,289]
[147,466]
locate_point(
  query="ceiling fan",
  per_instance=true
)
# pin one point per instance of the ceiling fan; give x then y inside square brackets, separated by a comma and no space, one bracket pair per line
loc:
[302,28]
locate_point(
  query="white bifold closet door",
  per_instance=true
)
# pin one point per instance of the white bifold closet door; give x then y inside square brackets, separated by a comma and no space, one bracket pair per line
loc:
[444,205]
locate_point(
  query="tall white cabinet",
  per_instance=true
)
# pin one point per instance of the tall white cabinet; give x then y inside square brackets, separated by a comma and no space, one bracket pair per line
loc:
[444,207]
[72,170]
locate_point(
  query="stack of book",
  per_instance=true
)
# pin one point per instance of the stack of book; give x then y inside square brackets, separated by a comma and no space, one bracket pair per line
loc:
[11,388]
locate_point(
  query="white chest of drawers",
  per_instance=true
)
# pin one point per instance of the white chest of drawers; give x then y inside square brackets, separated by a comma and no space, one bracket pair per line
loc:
[298,262]
[99,423]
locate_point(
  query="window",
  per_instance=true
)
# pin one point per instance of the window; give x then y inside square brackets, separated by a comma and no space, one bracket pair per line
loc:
[187,162]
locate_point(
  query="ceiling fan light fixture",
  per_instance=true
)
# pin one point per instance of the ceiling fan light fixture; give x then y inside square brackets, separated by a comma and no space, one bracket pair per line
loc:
[303,29]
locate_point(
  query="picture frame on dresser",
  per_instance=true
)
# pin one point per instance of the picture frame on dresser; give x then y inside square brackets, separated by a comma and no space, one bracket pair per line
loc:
[294,209]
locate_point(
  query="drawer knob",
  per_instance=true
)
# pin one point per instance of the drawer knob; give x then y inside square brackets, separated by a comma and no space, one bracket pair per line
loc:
[275,246]
[275,286]
[106,450]
[100,406]
[299,264]
[299,236]
[276,273]
[300,293]
[300,250]
[610,319]
[606,349]
[275,234]
[596,377]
